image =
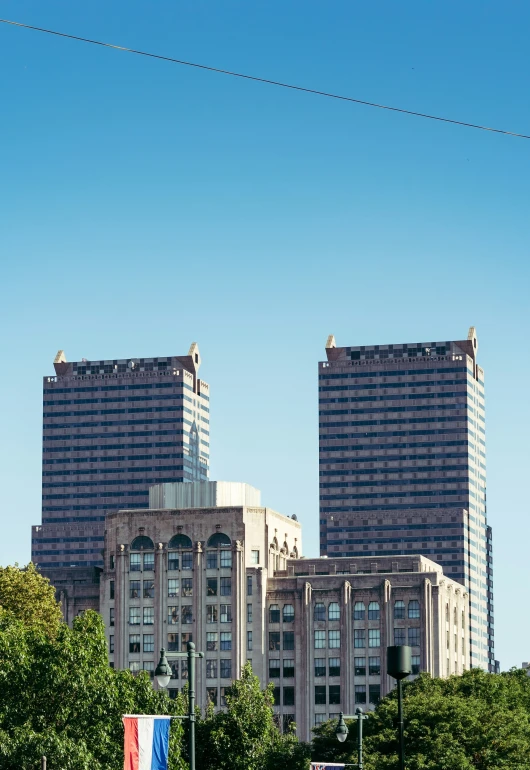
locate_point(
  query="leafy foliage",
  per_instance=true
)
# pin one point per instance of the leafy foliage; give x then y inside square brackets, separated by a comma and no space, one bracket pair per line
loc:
[59,697]
[30,597]
[476,721]
[245,736]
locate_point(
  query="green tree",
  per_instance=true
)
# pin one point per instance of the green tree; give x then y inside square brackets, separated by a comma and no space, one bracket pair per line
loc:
[477,721]
[245,736]
[59,697]
[30,597]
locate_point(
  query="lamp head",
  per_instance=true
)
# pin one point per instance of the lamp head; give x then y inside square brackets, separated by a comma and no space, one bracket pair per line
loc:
[342,731]
[163,670]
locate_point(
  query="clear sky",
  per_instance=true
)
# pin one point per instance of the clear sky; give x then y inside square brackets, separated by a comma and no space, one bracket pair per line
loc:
[144,206]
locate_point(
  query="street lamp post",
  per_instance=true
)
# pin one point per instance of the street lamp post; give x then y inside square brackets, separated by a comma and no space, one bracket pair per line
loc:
[399,667]
[163,675]
[342,732]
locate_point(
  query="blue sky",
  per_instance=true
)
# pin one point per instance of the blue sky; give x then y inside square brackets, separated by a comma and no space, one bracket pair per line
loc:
[145,205]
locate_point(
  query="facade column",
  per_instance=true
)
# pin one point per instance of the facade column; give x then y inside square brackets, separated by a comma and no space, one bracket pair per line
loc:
[239,619]
[198,627]
[426,629]
[121,612]
[346,651]
[307,708]
[387,635]
[160,601]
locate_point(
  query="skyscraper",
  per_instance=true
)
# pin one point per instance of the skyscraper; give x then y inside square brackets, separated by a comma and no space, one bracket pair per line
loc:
[402,463]
[110,429]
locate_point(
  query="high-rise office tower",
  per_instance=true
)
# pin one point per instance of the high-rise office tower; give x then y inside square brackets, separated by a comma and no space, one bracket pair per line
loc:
[402,463]
[110,429]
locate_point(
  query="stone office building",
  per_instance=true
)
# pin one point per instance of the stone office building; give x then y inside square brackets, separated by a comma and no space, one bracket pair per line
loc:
[227,573]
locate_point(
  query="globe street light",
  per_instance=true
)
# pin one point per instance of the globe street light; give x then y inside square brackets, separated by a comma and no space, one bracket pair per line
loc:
[163,675]
[399,666]
[342,732]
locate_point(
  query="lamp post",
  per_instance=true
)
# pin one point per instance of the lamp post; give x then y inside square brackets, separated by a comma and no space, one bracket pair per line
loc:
[342,732]
[163,675]
[399,667]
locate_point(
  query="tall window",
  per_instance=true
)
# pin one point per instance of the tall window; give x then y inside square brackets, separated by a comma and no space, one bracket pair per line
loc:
[211,586]
[359,665]
[226,669]
[249,641]
[212,695]
[374,693]
[254,557]
[249,585]
[149,616]
[415,660]
[211,613]
[333,639]
[226,586]
[334,666]
[358,637]
[399,610]
[111,643]
[319,611]
[274,613]
[187,560]
[320,694]
[187,586]
[172,615]
[360,693]
[172,560]
[373,611]
[414,637]
[399,636]
[149,589]
[288,696]
[288,668]
[135,562]
[173,587]
[226,559]
[173,642]
[374,666]
[211,559]
[134,589]
[226,613]
[374,637]
[358,611]
[274,668]
[211,669]
[226,640]
[249,613]
[414,609]
[149,561]
[288,640]
[320,667]
[320,640]
[134,642]
[288,613]
[211,641]
[149,643]
[111,616]
[111,588]
[187,613]
[134,616]
[334,694]
[333,611]
[274,640]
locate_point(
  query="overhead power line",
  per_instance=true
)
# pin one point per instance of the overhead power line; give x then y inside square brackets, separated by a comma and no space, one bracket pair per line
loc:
[256,79]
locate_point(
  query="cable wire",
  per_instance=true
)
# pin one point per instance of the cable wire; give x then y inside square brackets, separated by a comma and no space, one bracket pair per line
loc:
[265,80]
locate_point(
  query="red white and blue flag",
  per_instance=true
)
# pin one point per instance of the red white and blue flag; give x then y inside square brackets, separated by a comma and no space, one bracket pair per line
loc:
[325,765]
[146,743]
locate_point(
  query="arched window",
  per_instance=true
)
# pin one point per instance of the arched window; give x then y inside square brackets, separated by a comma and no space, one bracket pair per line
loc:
[179,541]
[358,611]
[373,611]
[319,611]
[218,539]
[145,544]
[274,613]
[288,613]
[399,610]
[414,609]
[333,611]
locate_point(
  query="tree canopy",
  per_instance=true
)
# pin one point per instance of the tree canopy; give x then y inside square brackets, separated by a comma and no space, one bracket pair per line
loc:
[30,597]
[59,697]
[477,721]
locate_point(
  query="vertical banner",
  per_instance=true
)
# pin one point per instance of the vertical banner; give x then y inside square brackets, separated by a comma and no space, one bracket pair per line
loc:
[146,742]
